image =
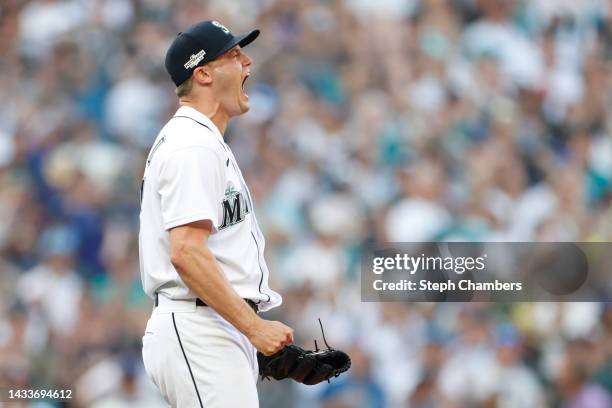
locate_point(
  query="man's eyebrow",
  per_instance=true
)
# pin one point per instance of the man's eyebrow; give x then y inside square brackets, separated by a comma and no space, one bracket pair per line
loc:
[232,50]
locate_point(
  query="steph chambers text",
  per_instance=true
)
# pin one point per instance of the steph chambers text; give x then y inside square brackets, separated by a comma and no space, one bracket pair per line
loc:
[462,285]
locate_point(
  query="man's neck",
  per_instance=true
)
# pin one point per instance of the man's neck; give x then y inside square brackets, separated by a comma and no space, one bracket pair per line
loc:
[211,110]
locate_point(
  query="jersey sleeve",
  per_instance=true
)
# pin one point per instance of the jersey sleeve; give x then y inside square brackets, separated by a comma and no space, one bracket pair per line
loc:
[191,186]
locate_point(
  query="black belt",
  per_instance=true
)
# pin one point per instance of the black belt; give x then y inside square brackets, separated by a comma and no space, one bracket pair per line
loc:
[200,302]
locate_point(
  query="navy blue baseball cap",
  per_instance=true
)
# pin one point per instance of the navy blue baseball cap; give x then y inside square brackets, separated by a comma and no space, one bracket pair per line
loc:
[199,44]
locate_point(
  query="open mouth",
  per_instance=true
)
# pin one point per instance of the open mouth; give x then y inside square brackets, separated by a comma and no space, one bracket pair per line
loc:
[243,84]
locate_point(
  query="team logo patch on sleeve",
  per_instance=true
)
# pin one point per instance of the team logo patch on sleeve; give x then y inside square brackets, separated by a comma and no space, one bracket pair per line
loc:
[235,207]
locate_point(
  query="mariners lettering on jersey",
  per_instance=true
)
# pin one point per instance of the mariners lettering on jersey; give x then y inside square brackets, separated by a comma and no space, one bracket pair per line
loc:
[235,207]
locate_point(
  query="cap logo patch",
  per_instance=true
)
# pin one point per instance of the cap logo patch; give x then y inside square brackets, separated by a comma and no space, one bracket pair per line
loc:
[221,26]
[195,59]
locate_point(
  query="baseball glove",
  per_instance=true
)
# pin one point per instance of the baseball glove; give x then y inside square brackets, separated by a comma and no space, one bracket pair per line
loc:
[304,366]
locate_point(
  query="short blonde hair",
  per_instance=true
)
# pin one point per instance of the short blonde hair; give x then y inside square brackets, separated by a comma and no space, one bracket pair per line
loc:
[184,88]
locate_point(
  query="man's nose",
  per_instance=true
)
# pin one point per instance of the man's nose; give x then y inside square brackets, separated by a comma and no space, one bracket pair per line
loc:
[246,60]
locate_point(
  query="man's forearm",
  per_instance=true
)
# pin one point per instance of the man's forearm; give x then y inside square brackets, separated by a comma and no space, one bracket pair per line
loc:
[200,271]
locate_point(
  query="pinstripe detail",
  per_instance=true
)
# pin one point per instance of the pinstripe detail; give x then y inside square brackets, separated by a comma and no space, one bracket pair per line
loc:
[187,361]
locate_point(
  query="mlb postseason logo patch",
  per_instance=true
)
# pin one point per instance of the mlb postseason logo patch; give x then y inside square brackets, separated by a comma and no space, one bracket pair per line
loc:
[195,59]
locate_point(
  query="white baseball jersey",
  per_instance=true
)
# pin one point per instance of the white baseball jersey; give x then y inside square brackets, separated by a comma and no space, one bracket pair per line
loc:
[190,175]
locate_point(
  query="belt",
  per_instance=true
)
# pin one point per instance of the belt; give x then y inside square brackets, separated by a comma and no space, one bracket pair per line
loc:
[200,302]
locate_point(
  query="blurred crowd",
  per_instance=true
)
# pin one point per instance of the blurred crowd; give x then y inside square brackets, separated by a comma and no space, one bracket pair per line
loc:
[370,121]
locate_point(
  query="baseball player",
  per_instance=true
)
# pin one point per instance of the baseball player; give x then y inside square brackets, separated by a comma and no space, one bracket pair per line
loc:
[201,249]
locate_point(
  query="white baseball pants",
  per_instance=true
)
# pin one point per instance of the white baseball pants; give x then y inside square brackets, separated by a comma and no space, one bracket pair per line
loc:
[197,359]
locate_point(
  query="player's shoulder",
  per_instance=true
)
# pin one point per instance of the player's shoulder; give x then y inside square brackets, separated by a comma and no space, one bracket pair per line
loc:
[183,132]
[180,137]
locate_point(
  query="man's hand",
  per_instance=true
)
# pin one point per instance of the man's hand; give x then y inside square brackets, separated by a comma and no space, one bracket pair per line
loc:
[268,336]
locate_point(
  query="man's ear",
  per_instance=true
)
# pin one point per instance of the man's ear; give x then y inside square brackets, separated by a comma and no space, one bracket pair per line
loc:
[202,75]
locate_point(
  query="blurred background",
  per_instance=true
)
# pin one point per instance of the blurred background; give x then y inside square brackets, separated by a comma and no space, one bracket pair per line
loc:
[370,121]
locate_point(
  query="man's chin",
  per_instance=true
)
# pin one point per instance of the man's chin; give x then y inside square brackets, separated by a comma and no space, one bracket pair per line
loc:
[244,107]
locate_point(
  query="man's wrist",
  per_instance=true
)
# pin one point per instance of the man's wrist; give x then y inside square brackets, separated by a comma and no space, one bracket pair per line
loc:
[250,323]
